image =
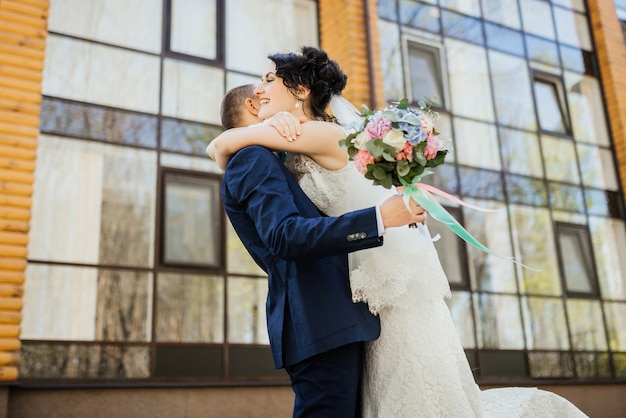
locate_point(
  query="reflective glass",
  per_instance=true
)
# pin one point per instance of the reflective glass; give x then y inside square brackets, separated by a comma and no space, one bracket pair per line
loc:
[187,137]
[238,259]
[604,203]
[512,91]
[490,273]
[545,323]
[266,27]
[419,15]
[193,28]
[597,167]
[468,7]
[90,72]
[451,248]
[102,202]
[559,156]
[387,9]
[62,117]
[616,323]
[504,12]
[425,73]
[592,365]
[499,322]
[391,61]
[476,144]
[190,91]
[578,5]
[59,361]
[537,18]
[608,237]
[544,365]
[586,325]
[190,308]
[132,24]
[462,315]
[526,190]
[246,311]
[192,219]
[469,84]
[586,107]
[462,27]
[619,359]
[520,152]
[86,304]
[550,108]
[577,258]
[566,197]
[573,59]
[572,28]
[504,39]
[481,184]
[542,50]
[533,239]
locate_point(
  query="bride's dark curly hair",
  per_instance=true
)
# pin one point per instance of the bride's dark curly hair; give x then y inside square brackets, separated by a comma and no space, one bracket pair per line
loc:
[312,69]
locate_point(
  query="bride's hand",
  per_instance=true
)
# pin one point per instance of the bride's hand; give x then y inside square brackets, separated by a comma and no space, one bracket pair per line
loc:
[287,125]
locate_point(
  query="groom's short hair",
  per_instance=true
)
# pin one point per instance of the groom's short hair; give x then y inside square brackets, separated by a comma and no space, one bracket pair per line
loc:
[233,106]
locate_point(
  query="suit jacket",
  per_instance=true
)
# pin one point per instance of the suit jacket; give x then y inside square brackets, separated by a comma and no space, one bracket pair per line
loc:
[309,304]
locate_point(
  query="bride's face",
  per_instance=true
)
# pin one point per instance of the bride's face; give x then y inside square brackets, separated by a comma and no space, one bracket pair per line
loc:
[273,95]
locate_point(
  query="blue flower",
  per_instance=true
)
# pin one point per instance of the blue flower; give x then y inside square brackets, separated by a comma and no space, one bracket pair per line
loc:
[413,133]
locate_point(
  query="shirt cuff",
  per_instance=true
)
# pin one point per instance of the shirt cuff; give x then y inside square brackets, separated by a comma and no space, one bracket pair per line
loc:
[379,222]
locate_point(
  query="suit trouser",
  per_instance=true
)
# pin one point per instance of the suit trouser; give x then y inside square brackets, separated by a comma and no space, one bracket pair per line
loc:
[328,385]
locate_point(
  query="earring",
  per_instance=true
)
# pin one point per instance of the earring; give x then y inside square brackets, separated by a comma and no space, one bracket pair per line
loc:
[298,105]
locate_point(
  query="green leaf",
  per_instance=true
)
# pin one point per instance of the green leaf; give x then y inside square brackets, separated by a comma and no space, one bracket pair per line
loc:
[403,168]
[391,115]
[379,173]
[404,104]
[375,147]
[419,158]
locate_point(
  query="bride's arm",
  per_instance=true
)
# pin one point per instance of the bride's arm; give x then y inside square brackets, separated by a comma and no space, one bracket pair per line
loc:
[317,139]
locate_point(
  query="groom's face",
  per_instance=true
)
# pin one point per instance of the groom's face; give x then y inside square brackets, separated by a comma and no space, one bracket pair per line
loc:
[273,95]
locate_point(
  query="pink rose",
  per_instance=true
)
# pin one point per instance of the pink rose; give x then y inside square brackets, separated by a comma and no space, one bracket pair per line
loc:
[431,149]
[361,159]
[406,153]
[378,126]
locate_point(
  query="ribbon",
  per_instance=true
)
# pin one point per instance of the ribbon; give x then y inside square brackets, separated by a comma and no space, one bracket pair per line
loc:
[422,194]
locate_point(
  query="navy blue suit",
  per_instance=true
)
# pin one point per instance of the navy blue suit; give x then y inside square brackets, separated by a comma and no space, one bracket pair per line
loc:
[309,305]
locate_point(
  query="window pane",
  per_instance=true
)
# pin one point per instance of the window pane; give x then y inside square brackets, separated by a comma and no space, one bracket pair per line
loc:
[549,107]
[451,250]
[246,311]
[190,308]
[572,28]
[387,9]
[134,24]
[500,324]
[520,152]
[586,325]
[512,91]
[592,365]
[609,239]
[187,137]
[189,361]
[598,167]
[470,89]
[193,28]
[587,109]
[252,361]
[86,304]
[468,7]
[54,361]
[490,273]
[566,197]
[534,244]
[542,50]
[504,39]
[420,16]
[192,217]
[463,317]
[545,324]
[573,4]
[576,258]
[462,27]
[544,365]
[476,144]
[481,184]
[391,61]
[526,190]
[537,18]
[504,12]
[190,91]
[238,258]
[425,73]
[62,117]
[102,203]
[90,72]
[616,324]
[560,159]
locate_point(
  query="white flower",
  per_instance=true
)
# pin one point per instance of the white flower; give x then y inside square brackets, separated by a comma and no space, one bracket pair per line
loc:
[395,139]
[360,140]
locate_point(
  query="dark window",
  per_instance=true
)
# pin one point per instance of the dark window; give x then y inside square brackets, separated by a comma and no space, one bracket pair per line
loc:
[192,221]
[425,73]
[576,259]
[451,250]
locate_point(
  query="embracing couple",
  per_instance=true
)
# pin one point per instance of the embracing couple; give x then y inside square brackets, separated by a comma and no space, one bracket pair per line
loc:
[356,309]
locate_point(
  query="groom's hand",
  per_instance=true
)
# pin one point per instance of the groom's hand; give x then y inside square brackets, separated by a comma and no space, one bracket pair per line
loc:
[395,213]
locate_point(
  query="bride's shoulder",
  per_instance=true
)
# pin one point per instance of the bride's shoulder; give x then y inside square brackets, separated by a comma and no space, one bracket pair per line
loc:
[327,127]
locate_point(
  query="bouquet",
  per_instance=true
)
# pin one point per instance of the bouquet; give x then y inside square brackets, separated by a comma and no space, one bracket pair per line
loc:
[396,146]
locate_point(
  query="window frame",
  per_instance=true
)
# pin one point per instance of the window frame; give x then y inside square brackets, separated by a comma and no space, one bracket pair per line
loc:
[437,50]
[584,238]
[559,88]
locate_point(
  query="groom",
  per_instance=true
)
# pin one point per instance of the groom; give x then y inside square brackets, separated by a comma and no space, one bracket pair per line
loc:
[316,332]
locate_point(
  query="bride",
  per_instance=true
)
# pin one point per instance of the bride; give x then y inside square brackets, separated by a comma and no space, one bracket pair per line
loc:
[417,367]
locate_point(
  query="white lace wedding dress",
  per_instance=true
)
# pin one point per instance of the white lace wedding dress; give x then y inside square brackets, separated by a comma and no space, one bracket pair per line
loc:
[417,368]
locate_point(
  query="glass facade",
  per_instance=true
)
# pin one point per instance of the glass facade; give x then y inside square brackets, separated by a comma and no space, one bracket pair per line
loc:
[521,90]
